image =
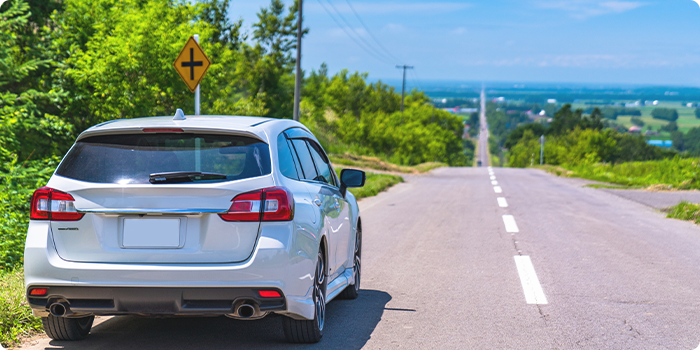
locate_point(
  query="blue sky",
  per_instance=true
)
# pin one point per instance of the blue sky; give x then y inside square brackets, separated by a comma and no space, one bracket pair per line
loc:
[578,41]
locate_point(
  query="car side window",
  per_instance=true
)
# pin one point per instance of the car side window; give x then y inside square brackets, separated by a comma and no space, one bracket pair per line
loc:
[307,164]
[322,166]
[287,163]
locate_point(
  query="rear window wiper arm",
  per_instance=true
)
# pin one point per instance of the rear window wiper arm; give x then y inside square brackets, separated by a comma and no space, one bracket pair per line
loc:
[183,176]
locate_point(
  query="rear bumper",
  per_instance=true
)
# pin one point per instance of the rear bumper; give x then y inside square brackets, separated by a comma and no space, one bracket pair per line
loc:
[153,301]
[279,262]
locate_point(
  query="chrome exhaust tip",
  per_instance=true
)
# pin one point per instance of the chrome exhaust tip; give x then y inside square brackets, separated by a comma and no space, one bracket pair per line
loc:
[60,309]
[245,311]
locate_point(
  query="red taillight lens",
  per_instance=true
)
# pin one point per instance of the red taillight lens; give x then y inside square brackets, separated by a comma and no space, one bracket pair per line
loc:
[269,294]
[38,292]
[246,207]
[50,204]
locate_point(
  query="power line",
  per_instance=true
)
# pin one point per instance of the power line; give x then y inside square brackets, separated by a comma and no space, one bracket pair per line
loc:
[370,32]
[353,30]
[349,35]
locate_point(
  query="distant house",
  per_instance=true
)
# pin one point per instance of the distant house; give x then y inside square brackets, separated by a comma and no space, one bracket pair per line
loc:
[552,101]
[635,129]
[661,143]
[468,110]
[651,133]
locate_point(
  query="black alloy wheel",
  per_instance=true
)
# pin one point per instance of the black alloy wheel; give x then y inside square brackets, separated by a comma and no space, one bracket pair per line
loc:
[352,291]
[305,331]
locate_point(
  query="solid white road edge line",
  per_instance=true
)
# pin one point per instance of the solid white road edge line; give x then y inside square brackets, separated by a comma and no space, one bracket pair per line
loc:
[528,278]
[494,182]
[497,189]
[511,226]
[502,202]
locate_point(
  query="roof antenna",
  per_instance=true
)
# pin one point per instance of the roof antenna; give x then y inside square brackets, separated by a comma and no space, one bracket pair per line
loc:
[179,115]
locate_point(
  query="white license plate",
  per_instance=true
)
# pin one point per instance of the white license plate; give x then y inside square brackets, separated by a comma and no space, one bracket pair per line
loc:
[151,233]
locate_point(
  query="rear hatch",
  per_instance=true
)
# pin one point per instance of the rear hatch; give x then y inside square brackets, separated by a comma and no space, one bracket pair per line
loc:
[155,197]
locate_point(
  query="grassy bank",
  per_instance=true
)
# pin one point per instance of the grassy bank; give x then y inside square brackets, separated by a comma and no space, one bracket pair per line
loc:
[348,160]
[375,184]
[16,320]
[685,211]
[679,174]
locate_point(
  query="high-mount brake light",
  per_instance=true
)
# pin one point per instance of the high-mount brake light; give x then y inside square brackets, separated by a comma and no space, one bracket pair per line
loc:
[246,207]
[54,205]
[162,130]
[269,294]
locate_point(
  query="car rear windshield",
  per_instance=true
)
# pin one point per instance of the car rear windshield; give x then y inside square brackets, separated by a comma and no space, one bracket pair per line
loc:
[132,158]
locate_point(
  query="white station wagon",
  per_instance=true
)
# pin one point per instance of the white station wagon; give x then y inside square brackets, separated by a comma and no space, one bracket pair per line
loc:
[193,215]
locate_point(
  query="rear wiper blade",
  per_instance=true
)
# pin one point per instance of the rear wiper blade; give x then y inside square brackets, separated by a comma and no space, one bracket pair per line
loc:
[183,176]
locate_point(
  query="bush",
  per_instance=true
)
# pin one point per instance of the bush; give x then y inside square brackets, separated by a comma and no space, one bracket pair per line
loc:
[16,320]
[697,113]
[637,121]
[669,114]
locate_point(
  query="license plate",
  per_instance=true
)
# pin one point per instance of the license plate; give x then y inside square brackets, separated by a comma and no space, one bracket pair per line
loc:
[151,233]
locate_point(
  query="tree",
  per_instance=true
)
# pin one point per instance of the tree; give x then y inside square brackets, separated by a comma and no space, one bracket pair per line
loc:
[669,114]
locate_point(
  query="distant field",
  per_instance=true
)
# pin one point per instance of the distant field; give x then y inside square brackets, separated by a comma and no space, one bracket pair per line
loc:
[686,117]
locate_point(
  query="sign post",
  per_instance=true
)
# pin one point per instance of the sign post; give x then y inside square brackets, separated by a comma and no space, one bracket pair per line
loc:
[542,150]
[192,64]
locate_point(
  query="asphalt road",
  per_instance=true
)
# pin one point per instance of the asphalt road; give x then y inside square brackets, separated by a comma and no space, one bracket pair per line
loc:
[439,272]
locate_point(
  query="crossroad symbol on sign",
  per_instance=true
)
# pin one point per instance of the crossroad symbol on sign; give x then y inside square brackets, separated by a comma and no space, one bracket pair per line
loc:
[191,64]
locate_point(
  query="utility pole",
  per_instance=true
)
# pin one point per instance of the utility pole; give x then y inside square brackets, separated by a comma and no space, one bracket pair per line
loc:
[542,150]
[297,83]
[403,87]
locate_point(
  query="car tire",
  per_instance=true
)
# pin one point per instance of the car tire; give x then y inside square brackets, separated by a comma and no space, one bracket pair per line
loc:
[353,290]
[61,328]
[304,331]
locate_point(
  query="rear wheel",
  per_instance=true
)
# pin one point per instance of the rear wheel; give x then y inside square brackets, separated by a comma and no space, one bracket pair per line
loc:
[352,291]
[61,328]
[303,331]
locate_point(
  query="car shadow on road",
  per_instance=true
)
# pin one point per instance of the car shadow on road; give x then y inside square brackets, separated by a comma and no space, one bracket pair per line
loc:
[349,325]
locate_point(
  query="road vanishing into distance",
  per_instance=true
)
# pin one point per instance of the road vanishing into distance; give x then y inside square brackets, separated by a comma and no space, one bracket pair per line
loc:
[474,258]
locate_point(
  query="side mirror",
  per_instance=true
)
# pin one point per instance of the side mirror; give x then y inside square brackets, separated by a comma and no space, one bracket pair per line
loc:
[351,178]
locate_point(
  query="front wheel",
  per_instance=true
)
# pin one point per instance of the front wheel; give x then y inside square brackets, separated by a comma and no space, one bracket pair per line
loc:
[61,328]
[352,291]
[303,331]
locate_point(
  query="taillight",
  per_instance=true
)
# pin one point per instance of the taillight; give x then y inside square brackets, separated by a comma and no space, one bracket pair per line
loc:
[39,292]
[269,294]
[50,204]
[279,206]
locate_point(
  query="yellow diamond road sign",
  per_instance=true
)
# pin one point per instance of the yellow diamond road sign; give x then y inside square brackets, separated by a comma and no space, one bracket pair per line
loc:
[192,63]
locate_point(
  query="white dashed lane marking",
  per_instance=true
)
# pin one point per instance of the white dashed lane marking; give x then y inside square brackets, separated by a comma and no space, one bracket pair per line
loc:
[493,177]
[494,182]
[502,202]
[528,278]
[509,221]
[497,189]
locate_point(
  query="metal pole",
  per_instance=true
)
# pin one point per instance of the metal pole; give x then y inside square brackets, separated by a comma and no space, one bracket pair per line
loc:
[297,83]
[403,87]
[196,91]
[542,150]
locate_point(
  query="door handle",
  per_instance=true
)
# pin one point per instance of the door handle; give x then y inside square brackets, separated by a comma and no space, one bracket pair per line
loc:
[317,202]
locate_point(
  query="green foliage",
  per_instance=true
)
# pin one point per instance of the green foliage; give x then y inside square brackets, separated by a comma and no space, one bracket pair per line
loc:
[637,121]
[675,173]
[346,112]
[697,113]
[670,127]
[375,184]
[16,320]
[536,129]
[610,112]
[567,120]
[669,114]
[684,211]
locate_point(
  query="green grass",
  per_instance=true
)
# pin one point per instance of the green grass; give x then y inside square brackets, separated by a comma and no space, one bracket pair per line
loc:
[667,174]
[684,211]
[367,162]
[375,184]
[16,320]
[686,116]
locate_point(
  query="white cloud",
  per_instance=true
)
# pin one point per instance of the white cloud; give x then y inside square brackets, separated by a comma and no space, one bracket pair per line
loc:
[583,9]
[394,28]
[371,8]
[459,31]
